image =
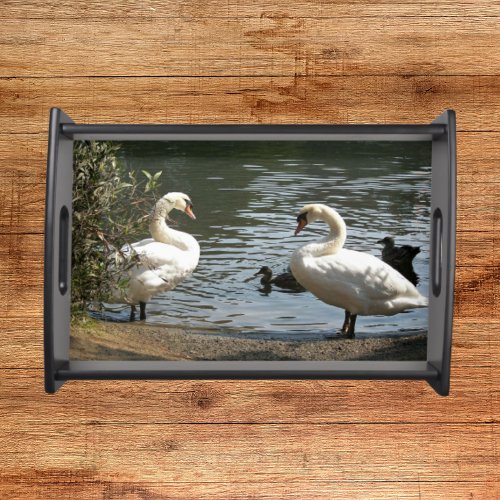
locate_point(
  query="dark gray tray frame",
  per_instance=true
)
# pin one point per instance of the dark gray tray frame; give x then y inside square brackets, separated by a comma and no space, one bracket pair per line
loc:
[435,370]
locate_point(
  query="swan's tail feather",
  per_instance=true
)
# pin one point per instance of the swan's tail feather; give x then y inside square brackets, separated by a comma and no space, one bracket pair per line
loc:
[405,303]
[424,301]
[421,301]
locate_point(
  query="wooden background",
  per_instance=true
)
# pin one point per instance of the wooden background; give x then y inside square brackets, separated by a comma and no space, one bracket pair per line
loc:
[262,61]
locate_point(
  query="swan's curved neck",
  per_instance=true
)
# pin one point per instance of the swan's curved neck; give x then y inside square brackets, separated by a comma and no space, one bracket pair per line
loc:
[335,240]
[162,233]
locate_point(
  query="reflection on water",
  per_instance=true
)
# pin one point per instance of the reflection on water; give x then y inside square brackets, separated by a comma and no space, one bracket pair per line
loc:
[246,197]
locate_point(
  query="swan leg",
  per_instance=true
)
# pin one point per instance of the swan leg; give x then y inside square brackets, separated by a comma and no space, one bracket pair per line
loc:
[345,326]
[348,326]
[132,313]
[142,305]
[352,322]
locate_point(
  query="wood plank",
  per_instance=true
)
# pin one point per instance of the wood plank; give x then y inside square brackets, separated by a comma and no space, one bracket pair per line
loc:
[472,283]
[78,485]
[24,155]
[347,100]
[474,344]
[25,262]
[21,291]
[291,401]
[478,156]
[479,249]
[242,452]
[477,207]
[277,46]
[22,205]
[189,439]
[22,269]
[67,9]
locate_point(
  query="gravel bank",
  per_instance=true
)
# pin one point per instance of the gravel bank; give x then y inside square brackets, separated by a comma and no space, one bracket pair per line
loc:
[135,341]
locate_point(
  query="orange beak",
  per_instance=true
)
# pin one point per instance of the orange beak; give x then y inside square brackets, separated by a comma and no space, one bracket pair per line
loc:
[301,225]
[189,212]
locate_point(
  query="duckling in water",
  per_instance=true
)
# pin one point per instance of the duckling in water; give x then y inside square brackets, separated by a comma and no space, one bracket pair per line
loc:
[283,280]
[400,258]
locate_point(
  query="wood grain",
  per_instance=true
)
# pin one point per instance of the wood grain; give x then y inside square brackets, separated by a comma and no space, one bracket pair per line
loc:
[242,452]
[192,9]
[343,99]
[230,61]
[81,486]
[22,269]
[265,46]
[475,343]
[270,452]
[478,156]
[22,205]
[316,401]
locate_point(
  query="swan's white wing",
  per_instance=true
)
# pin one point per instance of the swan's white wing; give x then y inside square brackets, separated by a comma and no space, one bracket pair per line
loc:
[164,262]
[155,255]
[126,250]
[139,244]
[152,254]
[160,267]
[152,280]
[370,277]
[358,282]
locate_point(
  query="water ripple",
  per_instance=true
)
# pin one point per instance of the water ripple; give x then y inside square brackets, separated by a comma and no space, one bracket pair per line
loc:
[246,199]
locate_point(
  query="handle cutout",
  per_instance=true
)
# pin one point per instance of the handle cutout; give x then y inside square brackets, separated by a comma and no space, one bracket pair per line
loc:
[437,251]
[63,249]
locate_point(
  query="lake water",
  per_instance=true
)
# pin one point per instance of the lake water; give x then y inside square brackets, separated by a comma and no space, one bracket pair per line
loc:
[246,198]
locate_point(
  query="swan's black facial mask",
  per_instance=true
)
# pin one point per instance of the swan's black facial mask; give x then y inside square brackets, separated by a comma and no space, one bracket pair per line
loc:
[302,223]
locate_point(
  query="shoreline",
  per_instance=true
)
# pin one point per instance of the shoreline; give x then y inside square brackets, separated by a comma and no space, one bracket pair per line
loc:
[101,340]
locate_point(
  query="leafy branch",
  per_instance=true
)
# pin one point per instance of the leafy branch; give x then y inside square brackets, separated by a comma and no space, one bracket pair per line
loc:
[110,209]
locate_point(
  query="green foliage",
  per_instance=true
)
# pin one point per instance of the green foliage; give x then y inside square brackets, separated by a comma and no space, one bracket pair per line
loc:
[110,209]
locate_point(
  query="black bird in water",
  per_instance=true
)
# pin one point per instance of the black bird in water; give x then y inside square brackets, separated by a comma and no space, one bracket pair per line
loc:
[283,280]
[400,258]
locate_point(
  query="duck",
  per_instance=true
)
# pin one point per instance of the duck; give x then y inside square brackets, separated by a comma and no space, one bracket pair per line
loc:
[284,280]
[357,282]
[400,258]
[158,264]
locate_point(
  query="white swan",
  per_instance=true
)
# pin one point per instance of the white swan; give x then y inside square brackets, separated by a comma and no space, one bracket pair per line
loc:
[164,260]
[358,282]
